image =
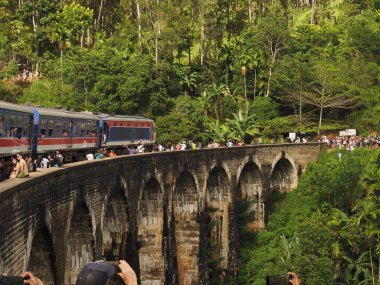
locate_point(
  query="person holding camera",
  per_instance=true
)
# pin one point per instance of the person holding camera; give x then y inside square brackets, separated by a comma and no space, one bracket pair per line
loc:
[294,279]
[95,273]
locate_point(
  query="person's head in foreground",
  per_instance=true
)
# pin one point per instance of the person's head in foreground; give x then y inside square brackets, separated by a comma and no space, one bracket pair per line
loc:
[97,273]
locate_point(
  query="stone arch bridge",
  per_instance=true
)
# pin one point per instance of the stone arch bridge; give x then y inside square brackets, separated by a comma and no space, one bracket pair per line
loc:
[162,212]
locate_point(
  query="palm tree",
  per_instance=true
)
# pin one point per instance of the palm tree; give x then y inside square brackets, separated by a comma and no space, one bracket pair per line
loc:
[219,132]
[217,94]
[243,126]
[205,101]
[187,79]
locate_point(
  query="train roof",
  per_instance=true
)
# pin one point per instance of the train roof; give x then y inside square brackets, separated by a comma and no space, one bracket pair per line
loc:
[66,114]
[124,118]
[14,107]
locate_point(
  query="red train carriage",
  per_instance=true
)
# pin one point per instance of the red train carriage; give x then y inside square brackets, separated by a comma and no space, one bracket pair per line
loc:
[74,133]
[16,128]
[37,130]
[126,130]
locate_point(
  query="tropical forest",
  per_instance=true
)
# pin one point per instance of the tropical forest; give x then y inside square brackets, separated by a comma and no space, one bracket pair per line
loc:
[223,70]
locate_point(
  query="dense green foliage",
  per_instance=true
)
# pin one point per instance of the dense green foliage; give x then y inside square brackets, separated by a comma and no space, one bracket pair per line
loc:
[308,66]
[328,229]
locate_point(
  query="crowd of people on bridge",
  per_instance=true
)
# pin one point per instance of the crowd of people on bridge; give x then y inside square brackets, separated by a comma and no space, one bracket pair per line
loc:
[20,166]
[352,142]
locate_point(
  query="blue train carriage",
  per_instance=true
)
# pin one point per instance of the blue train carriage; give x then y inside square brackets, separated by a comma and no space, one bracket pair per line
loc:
[73,133]
[16,129]
[119,131]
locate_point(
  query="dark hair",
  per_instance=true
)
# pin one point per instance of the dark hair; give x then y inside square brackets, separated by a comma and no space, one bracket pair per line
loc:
[100,273]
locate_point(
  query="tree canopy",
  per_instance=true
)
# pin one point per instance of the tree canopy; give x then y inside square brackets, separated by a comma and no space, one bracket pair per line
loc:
[317,61]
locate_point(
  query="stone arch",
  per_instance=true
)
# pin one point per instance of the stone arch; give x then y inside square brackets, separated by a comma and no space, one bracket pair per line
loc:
[217,208]
[42,258]
[150,233]
[80,243]
[115,222]
[283,176]
[185,211]
[250,195]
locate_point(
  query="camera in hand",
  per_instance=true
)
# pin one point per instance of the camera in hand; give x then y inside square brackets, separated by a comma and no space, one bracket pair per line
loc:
[11,280]
[282,279]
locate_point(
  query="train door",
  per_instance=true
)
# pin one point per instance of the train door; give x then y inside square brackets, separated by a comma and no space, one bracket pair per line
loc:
[35,131]
[71,134]
[30,130]
[105,136]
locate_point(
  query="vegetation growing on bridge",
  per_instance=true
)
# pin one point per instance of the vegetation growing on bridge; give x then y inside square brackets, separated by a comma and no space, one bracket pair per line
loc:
[328,229]
[302,65]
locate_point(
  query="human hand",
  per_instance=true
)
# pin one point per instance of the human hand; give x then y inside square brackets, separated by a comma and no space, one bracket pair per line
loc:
[30,279]
[295,280]
[127,273]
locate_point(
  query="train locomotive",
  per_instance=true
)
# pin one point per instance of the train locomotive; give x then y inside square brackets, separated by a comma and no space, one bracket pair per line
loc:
[36,130]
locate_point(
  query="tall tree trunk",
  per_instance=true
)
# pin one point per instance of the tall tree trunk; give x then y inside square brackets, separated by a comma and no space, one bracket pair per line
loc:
[245,88]
[267,91]
[250,11]
[320,119]
[61,61]
[99,15]
[372,266]
[158,32]
[300,111]
[321,105]
[138,20]
[255,85]
[332,17]
[312,11]
[202,42]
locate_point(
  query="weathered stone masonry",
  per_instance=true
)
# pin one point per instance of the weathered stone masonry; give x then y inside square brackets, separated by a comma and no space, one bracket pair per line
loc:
[149,209]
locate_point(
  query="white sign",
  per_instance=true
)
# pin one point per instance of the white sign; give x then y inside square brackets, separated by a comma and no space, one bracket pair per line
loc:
[348,132]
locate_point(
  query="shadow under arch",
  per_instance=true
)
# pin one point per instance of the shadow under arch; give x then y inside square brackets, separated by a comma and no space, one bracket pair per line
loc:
[283,176]
[115,222]
[150,233]
[185,225]
[249,197]
[80,245]
[215,216]
[42,257]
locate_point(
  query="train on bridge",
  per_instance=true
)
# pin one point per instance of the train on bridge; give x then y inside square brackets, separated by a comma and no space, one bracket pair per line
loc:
[37,130]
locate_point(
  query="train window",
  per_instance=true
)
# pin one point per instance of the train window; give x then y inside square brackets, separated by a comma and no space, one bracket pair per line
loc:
[93,129]
[51,127]
[83,128]
[136,124]
[12,127]
[58,127]
[129,124]
[25,130]
[75,129]
[43,128]
[65,128]
[1,124]
[88,129]
[5,124]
